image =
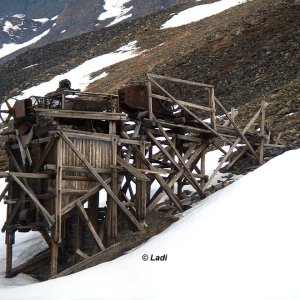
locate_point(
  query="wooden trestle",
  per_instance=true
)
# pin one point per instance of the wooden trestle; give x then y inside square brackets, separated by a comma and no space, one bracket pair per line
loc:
[57,172]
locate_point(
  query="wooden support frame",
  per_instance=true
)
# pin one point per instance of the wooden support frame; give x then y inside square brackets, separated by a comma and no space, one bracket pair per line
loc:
[231,150]
[100,179]
[190,112]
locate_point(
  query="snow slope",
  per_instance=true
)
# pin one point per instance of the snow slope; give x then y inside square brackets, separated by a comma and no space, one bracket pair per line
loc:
[240,243]
[200,12]
[10,48]
[80,76]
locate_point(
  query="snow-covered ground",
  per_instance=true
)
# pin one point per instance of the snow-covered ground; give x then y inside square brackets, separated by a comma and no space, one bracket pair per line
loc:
[240,243]
[200,12]
[80,76]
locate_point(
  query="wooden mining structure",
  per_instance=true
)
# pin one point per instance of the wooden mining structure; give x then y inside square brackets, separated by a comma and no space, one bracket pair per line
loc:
[82,164]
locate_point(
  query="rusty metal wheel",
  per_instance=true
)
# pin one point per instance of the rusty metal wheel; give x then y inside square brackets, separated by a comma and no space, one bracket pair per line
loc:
[6,109]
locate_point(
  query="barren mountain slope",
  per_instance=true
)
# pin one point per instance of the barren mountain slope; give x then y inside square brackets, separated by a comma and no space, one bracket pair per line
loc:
[250,52]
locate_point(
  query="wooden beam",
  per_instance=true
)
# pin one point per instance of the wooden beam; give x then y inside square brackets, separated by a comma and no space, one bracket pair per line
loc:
[179,80]
[25,175]
[89,115]
[39,206]
[86,220]
[188,104]
[131,169]
[81,199]
[102,182]
[81,254]
[89,261]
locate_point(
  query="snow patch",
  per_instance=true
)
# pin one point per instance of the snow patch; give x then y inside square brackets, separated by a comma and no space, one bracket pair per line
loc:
[63,31]
[80,76]
[10,48]
[9,26]
[42,20]
[19,16]
[200,12]
[115,9]
[54,18]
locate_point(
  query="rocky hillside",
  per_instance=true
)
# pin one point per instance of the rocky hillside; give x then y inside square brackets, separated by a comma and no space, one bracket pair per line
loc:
[249,53]
[22,21]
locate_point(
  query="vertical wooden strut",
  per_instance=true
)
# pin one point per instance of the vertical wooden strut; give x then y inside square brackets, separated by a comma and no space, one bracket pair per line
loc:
[150,110]
[56,230]
[140,197]
[112,208]
[262,132]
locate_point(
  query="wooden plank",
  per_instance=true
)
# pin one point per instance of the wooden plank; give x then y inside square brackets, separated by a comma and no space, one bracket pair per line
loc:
[81,254]
[88,223]
[25,175]
[179,80]
[131,169]
[89,115]
[39,206]
[89,261]
[182,102]
[78,169]
[103,183]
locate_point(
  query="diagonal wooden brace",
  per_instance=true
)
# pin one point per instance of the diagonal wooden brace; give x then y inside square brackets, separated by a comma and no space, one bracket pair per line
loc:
[32,196]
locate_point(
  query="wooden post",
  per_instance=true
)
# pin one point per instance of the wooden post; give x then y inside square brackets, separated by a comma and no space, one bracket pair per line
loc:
[262,132]
[150,110]
[112,208]
[56,231]
[211,95]
[140,197]
[9,241]
[203,168]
